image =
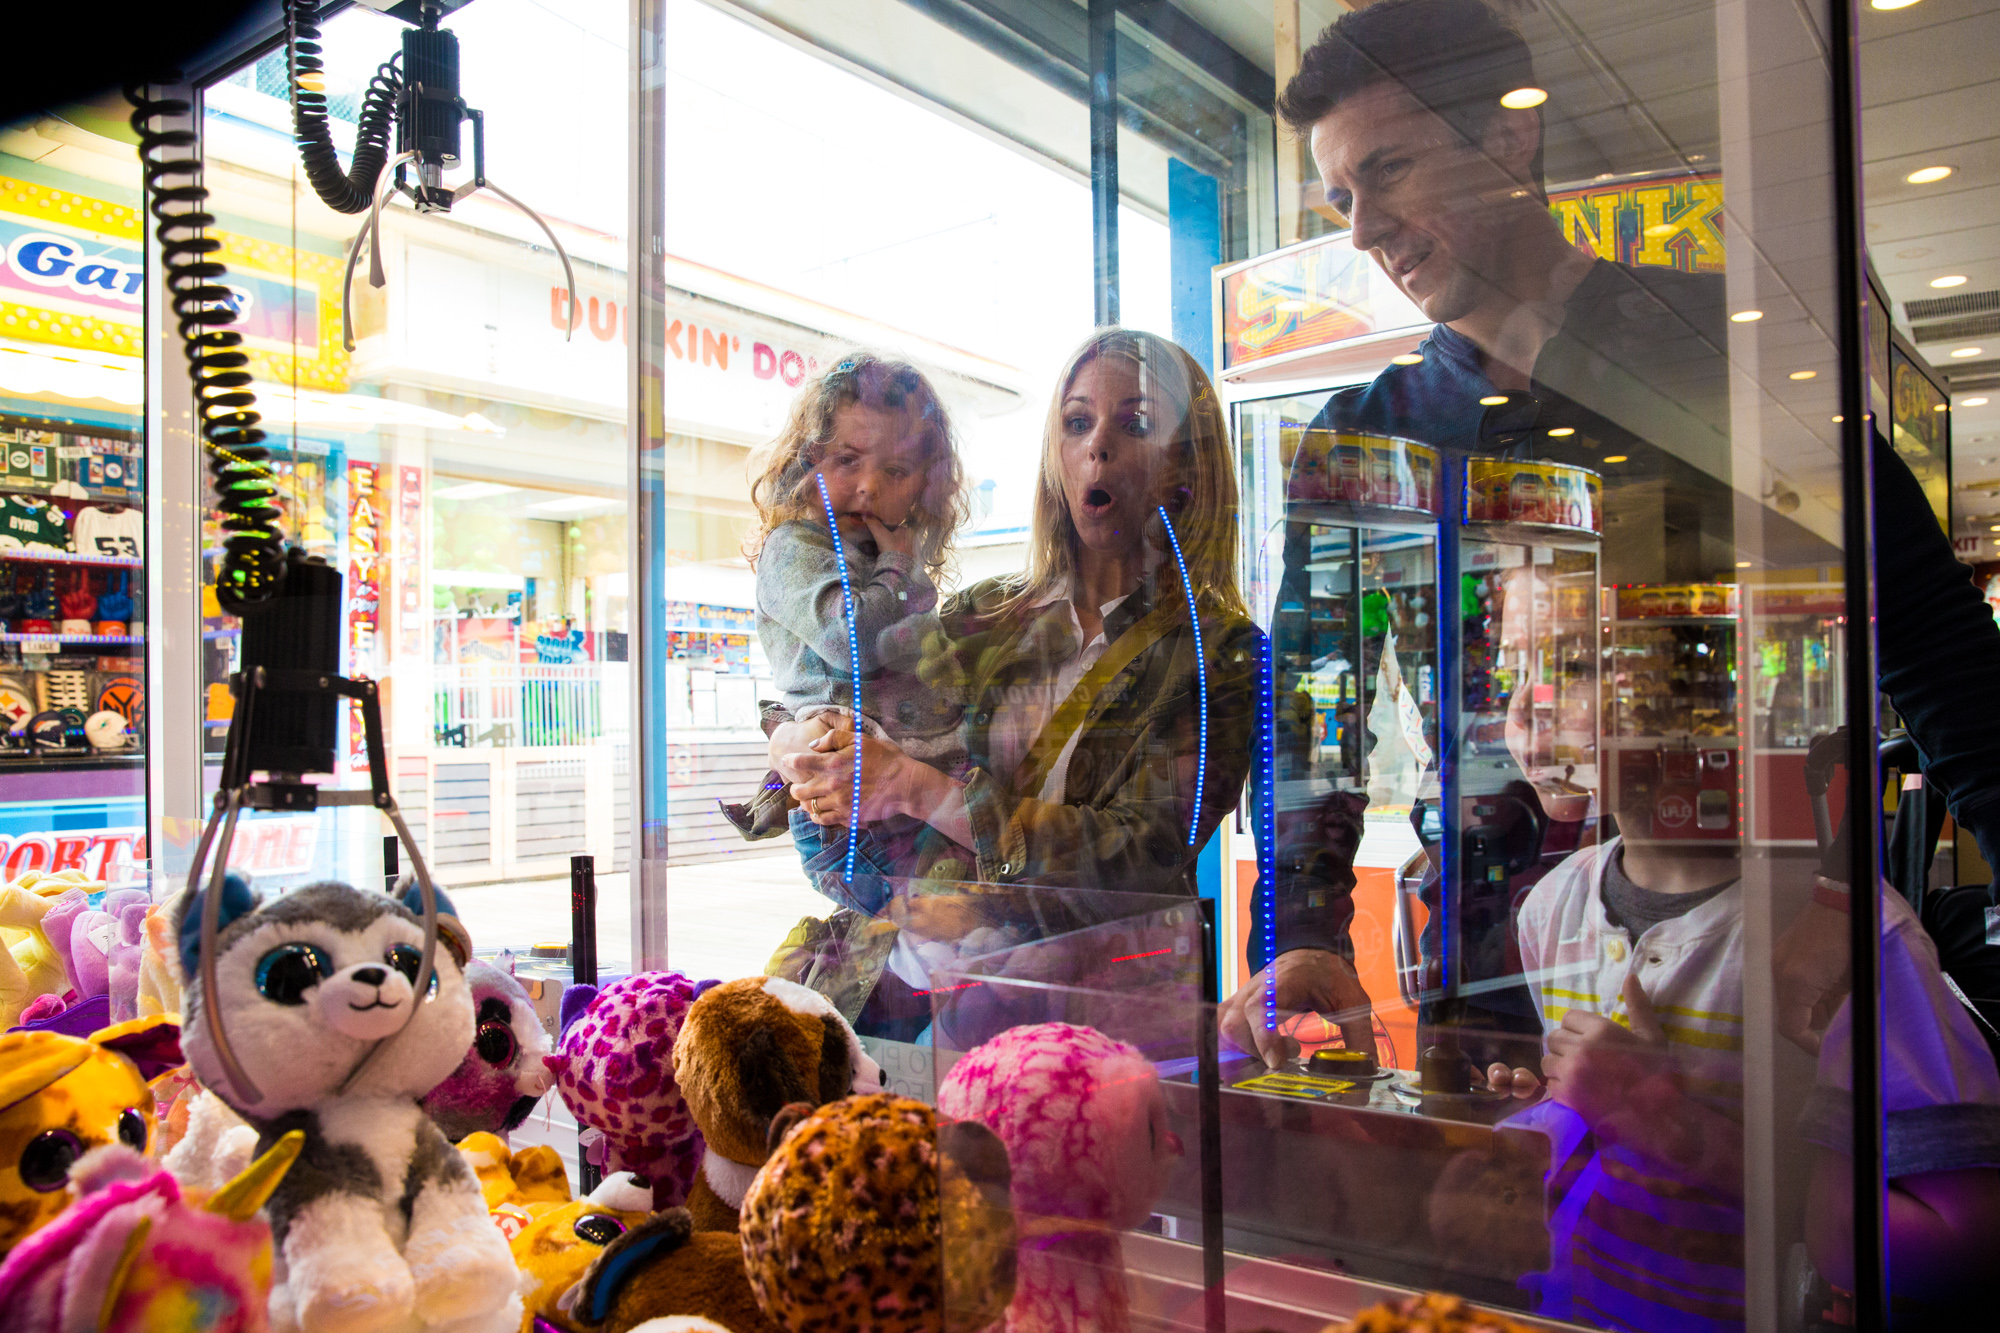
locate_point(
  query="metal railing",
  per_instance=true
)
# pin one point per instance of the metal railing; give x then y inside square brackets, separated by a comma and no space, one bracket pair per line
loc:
[485,705]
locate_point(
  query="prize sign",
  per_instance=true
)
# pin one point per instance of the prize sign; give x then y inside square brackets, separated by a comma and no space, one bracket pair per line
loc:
[1358,469]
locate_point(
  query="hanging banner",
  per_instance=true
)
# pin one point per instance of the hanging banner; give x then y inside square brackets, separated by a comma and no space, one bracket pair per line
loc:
[412,613]
[365,560]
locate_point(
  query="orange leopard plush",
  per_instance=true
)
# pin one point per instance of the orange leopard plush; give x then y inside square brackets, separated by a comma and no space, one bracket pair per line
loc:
[873,1214]
[746,1050]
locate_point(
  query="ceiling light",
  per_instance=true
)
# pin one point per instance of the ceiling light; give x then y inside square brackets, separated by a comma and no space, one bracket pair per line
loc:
[1927,175]
[1743,564]
[1560,431]
[1890,4]
[1614,458]
[1746,317]
[1994,528]
[1493,400]
[1804,374]
[1838,420]
[1662,229]
[470,490]
[1963,352]
[1973,402]
[1949,280]
[1523,98]
[1406,359]
[1291,303]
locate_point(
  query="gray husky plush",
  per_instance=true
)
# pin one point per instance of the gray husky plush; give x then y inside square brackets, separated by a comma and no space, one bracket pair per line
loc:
[379,1227]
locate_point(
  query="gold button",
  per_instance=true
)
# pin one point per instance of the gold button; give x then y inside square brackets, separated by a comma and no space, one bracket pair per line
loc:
[1615,947]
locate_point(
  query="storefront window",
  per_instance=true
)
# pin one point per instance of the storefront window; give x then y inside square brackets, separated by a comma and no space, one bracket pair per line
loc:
[74,579]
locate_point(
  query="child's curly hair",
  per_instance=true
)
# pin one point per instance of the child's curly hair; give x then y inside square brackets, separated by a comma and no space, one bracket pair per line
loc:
[782,485]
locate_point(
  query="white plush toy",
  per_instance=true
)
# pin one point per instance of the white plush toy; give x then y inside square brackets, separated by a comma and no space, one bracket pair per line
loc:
[379,1227]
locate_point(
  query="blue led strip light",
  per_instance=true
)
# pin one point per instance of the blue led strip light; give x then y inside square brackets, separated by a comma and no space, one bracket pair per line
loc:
[1267,822]
[854,671]
[1200,677]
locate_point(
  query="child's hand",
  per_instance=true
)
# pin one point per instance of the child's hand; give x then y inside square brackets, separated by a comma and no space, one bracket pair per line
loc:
[1522,1083]
[902,539]
[796,737]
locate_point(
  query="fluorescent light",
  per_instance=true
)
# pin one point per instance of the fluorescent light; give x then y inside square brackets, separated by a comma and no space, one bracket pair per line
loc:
[1804,374]
[1949,280]
[1614,458]
[1743,564]
[1973,402]
[478,578]
[569,504]
[1493,400]
[1523,98]
[1746,316]
[1927,175]
[1890,4]
[470,490]
[1406,359]
[1560,431]
[1963,352]
[1291,303]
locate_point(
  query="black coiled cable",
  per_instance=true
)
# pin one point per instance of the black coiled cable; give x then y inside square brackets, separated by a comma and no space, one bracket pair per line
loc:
[353,190]
[253,562]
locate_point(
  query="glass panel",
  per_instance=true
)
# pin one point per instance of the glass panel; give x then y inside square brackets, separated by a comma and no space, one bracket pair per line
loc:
[76,504]
[462,464]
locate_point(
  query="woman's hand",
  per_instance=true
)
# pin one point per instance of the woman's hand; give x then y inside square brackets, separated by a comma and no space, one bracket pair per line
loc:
[822,779]
[902,539]
[791,737]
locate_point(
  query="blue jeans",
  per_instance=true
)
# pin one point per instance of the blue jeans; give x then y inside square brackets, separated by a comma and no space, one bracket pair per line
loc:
[824,853]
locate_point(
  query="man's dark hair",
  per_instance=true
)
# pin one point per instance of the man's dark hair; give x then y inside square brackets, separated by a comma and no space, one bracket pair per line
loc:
[1456,57]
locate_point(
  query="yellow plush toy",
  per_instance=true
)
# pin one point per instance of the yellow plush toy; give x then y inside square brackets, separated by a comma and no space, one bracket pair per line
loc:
[62,1096]
[29,964]
[554,1239]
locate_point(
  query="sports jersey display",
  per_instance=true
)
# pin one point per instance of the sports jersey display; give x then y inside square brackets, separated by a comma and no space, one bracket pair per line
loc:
[114,532]
[30,524]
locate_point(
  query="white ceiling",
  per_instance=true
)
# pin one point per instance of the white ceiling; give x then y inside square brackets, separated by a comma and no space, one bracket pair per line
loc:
[1930,83]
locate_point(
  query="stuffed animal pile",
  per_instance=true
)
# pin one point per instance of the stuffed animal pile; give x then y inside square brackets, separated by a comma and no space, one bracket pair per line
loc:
[359,1178]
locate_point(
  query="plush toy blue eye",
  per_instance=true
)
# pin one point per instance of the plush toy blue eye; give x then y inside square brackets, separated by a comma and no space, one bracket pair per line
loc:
[598,1228]
[46,1161]
[409,960]
[285,974]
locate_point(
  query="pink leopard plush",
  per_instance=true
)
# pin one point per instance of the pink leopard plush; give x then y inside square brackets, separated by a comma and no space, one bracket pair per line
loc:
[1085,1126]
[614,1066]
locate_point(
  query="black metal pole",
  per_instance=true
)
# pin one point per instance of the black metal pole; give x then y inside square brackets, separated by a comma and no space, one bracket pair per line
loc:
[583,921]
[1864,781]
[1213,1295]
[1104,156]
[583,971]
[392,864]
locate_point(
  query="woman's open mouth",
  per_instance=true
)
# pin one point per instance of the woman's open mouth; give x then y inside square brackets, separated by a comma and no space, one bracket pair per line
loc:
[1097,502]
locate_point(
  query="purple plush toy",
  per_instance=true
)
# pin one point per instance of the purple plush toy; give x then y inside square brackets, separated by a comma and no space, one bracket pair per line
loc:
[501,1078]
[614,1066]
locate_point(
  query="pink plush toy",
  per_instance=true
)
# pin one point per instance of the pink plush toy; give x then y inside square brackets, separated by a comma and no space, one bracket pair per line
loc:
[1085,1126]
[133,1254]
[505,1072]
[614,1066]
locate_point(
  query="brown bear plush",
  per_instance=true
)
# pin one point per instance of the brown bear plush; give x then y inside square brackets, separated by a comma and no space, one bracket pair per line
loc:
[873,1214]
[746,1050]
[662,1271]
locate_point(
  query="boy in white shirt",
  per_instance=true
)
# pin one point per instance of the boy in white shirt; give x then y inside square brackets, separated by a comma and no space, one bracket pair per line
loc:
[1634,952]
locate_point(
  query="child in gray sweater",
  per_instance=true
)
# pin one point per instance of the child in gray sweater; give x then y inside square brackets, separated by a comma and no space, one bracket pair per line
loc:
[874,431]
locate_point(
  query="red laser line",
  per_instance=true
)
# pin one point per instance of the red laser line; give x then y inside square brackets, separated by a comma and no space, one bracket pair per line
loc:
[1130,956]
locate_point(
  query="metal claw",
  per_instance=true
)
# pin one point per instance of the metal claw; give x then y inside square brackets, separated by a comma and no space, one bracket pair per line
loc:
[376,277]
[569,273]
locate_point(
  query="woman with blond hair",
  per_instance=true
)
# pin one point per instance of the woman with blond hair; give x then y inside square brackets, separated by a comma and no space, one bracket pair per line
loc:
[1103,750]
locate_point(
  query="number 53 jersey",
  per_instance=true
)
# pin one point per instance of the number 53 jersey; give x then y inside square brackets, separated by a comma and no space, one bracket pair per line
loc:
[114,532]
